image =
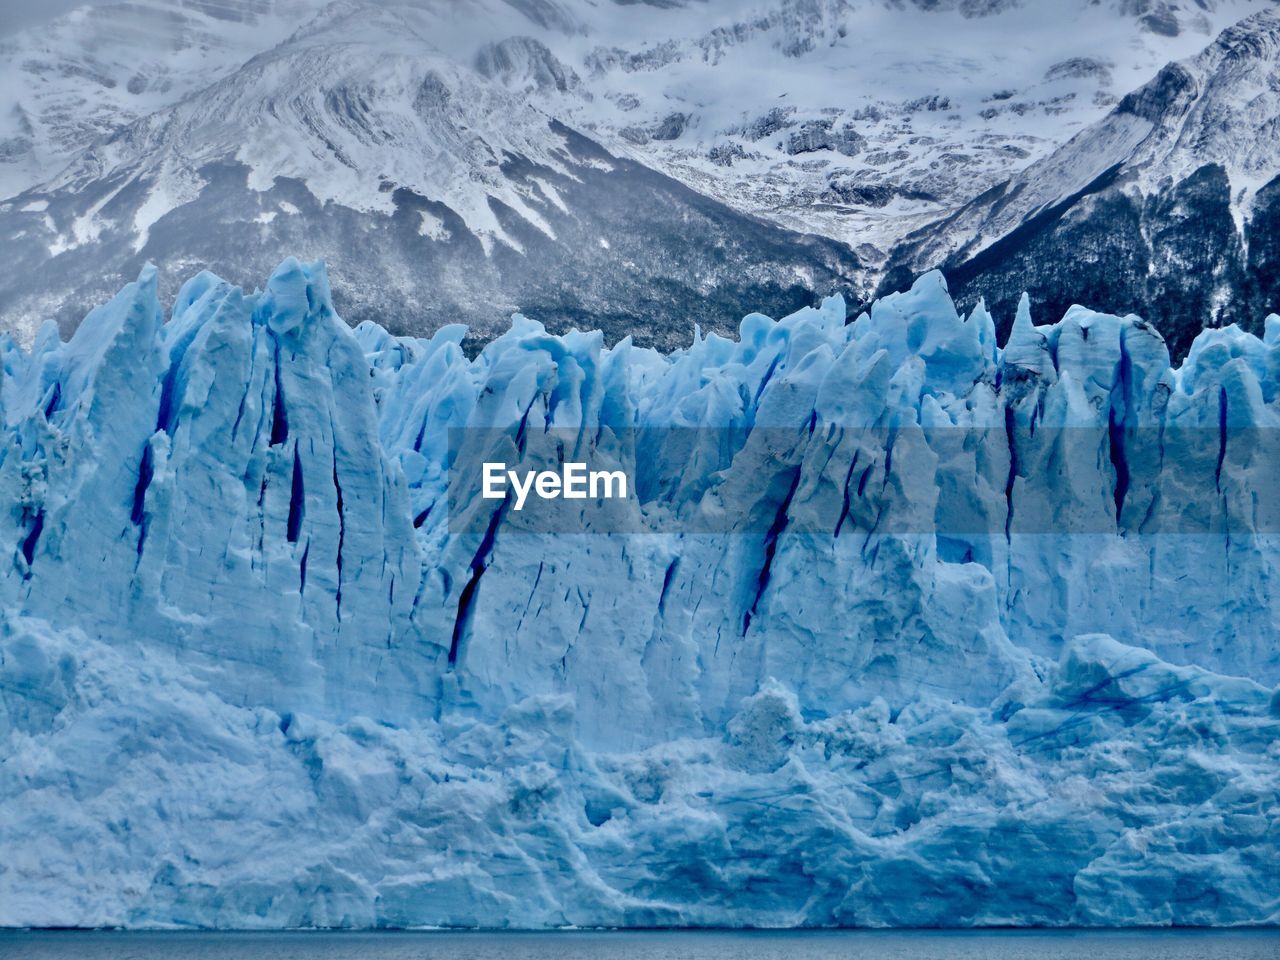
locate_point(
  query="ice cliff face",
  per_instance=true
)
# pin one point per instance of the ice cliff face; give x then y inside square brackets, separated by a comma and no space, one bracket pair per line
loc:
[251,674]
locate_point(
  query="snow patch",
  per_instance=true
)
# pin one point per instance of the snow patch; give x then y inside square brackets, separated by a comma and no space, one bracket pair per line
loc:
[433,227]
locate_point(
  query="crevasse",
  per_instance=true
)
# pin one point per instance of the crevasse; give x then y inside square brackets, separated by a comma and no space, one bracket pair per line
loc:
[251,675]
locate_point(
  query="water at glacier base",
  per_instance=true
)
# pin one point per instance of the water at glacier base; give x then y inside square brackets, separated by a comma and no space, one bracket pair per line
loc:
[652,945]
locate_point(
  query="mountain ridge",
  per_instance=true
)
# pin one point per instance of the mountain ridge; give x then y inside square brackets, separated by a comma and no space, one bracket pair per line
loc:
[663,89]
[1165,207]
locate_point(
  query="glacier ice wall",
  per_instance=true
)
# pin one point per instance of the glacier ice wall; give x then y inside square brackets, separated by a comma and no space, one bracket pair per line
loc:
[251,675]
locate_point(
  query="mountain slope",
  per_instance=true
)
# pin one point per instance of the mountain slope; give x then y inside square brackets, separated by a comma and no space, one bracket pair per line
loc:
[1167,207]
[90,73]
[357,141]
[861,120]
[424,146]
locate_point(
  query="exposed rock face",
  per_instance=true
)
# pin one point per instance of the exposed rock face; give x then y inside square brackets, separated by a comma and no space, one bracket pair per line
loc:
[817,135]
[523,62]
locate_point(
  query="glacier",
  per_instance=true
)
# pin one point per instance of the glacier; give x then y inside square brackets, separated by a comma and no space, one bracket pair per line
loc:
[254,672]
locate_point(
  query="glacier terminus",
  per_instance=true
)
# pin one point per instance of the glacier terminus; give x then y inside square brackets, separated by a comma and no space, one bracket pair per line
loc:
[257,670]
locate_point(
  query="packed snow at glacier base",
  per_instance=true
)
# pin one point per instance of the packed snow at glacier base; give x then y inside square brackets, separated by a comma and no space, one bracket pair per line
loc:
[251,676]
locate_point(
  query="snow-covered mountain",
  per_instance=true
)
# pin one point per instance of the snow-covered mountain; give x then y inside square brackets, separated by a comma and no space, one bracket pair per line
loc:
[88,74]
[992,624]
[860,120]
[1169,206]
[359,141]
[694,88]
[424,147]
[365,112]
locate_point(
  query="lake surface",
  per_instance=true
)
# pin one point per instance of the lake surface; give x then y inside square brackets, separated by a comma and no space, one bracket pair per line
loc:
[656,945]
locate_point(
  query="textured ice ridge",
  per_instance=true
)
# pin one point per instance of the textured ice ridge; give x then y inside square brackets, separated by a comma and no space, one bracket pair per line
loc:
[249,676]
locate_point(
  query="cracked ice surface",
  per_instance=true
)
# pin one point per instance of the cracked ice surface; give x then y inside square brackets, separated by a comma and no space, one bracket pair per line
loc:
[250,676]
